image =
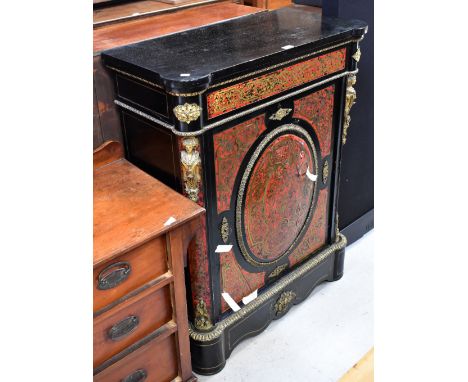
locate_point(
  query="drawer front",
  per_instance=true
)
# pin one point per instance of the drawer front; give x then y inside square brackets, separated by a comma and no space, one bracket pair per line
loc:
[256,89]
[130,321]
[153,362]
[128,272]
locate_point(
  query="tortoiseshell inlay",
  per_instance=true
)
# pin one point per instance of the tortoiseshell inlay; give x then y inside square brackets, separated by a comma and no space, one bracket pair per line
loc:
[230,147]
[278,197]
[256,89]
[317,110]
[316,235]
[237,281]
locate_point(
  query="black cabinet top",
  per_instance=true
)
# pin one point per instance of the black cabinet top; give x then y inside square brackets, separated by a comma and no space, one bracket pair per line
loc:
[192,59]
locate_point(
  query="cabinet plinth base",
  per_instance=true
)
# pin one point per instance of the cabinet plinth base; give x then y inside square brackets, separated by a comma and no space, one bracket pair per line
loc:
[211,349]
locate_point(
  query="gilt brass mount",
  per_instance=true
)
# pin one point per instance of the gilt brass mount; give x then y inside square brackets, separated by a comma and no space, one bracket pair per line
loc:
[284,303]
[349,102]
[191,167]
[188,112]
[202,318]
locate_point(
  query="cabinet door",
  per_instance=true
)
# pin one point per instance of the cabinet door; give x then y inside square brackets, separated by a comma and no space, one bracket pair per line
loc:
[272,178]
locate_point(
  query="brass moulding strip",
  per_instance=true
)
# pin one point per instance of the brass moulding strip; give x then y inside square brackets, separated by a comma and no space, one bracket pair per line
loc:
[278,287]
[146,116]
[135,77]
[232,117]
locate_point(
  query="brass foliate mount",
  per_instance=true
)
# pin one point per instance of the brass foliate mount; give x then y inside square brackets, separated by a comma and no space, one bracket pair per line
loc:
[280,114]
[357,55]
[278,270]
[202,318]
[349,102]
[224,230]
[188,112]
[325,172]
[284,302]
[191,167]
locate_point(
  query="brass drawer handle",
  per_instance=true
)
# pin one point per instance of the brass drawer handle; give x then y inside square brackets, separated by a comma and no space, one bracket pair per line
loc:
[137,376]
[113,275]
[123,328]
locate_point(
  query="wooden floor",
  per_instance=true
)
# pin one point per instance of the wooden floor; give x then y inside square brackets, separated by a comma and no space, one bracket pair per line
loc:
[363,371]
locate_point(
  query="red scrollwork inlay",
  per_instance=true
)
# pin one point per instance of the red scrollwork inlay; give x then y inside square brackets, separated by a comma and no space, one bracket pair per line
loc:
[316,234]
[256,89]
[237,281]
[230,147]
[317,110]
[278,197]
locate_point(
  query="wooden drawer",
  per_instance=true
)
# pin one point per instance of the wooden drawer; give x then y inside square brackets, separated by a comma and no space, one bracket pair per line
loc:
[131,321]
[157,359]
[131,270]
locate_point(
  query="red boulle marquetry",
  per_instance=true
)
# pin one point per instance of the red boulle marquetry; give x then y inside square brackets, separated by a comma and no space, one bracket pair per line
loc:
[252,132]
[230,147]
[278,197]
[317,110]
[236,281]
[244,93]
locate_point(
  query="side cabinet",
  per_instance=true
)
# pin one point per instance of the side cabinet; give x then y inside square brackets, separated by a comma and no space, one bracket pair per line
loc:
[256,139]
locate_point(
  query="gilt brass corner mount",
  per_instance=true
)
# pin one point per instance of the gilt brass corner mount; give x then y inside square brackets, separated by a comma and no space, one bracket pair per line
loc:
[349,102]
[202,318]
[357,55]
[188,112]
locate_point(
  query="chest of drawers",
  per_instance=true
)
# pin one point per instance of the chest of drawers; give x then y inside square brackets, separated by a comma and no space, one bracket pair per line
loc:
[246,118]
[140,313]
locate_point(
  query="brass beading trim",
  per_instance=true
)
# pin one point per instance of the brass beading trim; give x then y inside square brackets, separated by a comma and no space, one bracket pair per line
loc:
[135,77]
[232,117]
[278,287]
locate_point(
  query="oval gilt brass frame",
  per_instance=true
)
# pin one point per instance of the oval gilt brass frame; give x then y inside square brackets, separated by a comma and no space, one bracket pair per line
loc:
[244,183]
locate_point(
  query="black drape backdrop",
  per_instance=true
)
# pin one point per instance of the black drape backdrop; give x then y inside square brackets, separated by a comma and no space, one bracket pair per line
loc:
[356,202]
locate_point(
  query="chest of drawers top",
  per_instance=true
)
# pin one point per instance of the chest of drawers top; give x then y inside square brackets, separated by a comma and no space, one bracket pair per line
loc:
[131,207]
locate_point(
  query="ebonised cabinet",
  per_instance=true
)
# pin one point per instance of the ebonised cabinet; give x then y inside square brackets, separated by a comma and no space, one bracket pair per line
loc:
[251,129]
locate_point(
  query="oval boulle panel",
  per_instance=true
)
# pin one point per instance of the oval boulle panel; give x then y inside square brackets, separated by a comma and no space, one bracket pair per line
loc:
[276,195]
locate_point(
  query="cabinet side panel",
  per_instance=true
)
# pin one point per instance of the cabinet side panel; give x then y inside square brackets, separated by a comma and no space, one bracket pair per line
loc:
[151,148]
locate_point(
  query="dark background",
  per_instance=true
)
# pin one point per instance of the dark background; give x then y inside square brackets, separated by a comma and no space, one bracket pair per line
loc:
[356,199]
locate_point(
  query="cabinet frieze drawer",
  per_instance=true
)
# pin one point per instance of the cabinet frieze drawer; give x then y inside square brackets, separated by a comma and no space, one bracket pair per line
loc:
[247,92]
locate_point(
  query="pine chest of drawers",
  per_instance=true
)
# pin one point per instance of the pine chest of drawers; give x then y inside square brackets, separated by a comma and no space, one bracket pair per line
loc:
[247,118]
[140,313]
